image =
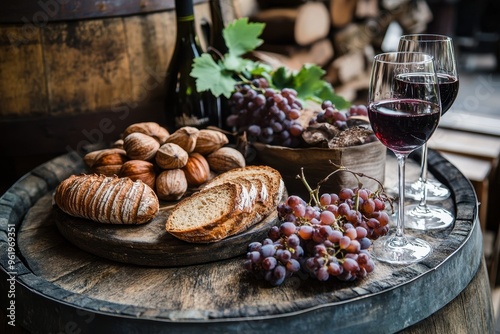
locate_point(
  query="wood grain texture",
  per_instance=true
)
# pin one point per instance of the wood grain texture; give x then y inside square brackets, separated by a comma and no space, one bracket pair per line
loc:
[23,84]
[150,44]
[82,66]
[94,70]
[317,163]
[49,11]
[67,285]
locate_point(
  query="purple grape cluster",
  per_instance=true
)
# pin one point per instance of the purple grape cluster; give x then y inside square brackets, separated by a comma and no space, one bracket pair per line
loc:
[330,239]
[330,114]
[267,115]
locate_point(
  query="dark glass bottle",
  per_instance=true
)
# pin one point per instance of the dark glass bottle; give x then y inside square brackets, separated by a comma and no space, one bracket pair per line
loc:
[217,48]
[184,106]
[216,37]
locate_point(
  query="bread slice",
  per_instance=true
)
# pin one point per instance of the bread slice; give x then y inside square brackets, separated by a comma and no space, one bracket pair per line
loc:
[228,204]
[269,185]
[269,176]
[209,215]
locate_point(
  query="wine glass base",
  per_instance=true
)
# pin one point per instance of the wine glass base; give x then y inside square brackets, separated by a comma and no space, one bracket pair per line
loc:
[428,217]
[436,191]
[401,250]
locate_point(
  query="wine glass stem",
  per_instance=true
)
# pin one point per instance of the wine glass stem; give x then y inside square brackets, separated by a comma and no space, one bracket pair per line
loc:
[401,188]
[423,176]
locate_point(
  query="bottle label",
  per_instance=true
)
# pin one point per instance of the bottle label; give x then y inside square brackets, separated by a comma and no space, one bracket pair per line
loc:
[191,121]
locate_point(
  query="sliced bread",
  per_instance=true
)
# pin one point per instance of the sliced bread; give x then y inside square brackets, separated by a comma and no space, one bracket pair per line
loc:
[269,185]
[209,215]
[269,176]
[228,204]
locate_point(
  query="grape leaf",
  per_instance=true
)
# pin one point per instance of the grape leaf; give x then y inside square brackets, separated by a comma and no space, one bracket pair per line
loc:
[236,64]
[309,84]
[259,69]
[307,81]
[211,76]
[282,78]
[241,36]
[327,93]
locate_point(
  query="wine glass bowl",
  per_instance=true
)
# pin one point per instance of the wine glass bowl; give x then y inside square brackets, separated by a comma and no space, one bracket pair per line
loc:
[441,48]
[424,216]
[404,109]
[403,125]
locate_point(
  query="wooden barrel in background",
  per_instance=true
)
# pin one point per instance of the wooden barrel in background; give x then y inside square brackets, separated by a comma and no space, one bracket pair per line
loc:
[78,72]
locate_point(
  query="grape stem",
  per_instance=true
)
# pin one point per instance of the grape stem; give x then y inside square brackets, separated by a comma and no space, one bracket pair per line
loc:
[314,193]
[219,54]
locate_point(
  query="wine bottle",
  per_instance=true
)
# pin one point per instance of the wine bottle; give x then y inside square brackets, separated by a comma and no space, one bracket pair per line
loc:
[217,42]
[218,48]
[185,106]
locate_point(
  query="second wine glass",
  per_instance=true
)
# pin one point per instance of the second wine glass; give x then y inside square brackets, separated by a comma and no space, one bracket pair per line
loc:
[424,216]
[404,109]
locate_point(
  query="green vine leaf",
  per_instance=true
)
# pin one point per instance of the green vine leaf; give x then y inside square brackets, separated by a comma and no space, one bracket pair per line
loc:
[236,64]
[211,76]
[242,37]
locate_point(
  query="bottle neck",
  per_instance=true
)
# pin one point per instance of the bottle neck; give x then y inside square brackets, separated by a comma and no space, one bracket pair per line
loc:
[216,30]
[185,17]
[184,10]
[216,14]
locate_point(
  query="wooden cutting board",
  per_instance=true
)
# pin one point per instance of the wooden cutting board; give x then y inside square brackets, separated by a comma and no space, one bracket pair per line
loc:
[150,244]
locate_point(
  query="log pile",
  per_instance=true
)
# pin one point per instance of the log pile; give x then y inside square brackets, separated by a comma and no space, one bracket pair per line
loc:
[340,35]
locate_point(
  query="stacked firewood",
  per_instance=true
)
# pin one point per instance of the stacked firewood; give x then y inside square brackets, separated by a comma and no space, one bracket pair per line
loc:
[297,31]
[339,35]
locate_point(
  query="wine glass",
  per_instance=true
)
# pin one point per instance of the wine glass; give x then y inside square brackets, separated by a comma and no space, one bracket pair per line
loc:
[404,109]
[423,216]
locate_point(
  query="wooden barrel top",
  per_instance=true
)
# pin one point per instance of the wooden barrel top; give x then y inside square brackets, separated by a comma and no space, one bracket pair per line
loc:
[59,285]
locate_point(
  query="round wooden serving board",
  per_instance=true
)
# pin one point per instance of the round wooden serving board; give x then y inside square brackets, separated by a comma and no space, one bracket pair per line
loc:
[150,244]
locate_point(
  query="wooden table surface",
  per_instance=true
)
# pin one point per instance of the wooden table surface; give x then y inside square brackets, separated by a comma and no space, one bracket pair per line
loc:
[59,286]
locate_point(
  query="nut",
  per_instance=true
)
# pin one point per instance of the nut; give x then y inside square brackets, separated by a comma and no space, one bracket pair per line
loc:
[139,170]
[106,157]
[140,146]
[111,156]
[225,158]
[118,144]
[209,141]
[108,170]
[185,137]
[171,156]
[196,170]
[171,185]
[152,129]
[89,158]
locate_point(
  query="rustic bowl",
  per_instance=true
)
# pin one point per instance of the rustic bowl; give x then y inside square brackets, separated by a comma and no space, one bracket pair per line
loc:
[369,159]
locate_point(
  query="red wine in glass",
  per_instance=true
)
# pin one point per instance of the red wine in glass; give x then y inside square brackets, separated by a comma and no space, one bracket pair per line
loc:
[404,125]
[414,85]
[448,89]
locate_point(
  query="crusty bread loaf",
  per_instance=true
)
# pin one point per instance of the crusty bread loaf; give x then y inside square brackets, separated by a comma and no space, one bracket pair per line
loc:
[209,215]
[105,199]
[191,221]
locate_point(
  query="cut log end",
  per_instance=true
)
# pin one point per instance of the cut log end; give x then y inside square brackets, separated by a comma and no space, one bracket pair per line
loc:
[302,25]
